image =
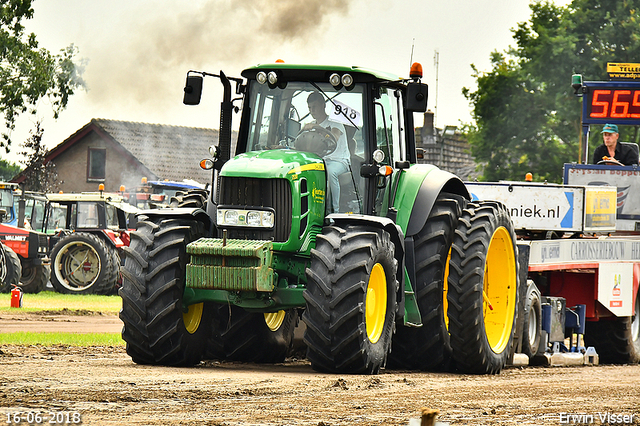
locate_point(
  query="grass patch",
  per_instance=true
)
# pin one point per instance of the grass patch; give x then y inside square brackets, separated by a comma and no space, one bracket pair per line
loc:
[71,339]
[53,301]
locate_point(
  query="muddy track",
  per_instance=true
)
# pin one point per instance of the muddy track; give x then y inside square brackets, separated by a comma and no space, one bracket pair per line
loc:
[104,387]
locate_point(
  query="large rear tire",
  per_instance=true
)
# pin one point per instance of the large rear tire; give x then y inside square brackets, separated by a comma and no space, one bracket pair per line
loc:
[11,269]
[616,341]
[81,263]
[429,347]
[252,337]
[483,284]
[157,330]
[190,198]
[351,300]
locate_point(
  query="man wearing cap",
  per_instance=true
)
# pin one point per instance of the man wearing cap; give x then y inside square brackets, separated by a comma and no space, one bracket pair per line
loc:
[612,149]
[338,161]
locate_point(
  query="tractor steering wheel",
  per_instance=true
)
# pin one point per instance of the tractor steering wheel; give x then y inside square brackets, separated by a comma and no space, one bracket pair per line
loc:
[317,140]
[610,162]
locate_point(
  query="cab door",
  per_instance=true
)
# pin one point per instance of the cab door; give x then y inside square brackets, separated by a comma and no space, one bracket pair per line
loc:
[389,134]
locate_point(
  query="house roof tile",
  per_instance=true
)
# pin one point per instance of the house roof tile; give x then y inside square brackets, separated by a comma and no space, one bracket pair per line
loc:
[171,152]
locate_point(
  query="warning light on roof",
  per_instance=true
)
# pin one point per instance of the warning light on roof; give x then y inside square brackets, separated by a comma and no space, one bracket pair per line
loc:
[528,177]
[122,188]
[143,180]
[279,61]
[101,187]
[416,70]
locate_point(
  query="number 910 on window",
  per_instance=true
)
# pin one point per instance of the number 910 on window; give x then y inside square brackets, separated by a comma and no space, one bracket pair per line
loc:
[614,103]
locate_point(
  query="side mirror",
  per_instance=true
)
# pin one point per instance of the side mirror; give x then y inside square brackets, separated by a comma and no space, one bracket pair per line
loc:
[417,94]
[192,90]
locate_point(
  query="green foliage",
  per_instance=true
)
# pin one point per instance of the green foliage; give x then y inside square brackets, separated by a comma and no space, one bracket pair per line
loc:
[8,170]
[527,118]
[29,73]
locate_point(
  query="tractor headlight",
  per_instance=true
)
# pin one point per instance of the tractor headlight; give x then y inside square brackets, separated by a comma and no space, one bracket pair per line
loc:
[245,218]
[231,217]
[253,219]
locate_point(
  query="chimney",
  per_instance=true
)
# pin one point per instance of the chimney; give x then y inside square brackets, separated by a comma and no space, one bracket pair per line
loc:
[428,131]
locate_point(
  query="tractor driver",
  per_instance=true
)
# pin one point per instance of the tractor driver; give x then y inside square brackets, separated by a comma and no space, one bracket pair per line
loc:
[338,161]
[612,149]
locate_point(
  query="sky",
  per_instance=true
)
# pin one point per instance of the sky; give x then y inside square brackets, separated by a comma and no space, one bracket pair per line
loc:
[134,55]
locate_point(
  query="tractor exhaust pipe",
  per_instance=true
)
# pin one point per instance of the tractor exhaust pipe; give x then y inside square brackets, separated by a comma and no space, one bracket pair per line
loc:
[226,110]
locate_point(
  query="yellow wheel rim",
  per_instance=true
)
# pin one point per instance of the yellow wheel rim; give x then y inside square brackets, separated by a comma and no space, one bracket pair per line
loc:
[274,320]
[376,303]
[192,317]
[499,290]
[445,291]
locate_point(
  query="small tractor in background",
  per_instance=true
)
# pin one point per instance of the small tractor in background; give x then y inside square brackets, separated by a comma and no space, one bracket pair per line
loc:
[410,273]
[87,231]
[162,194]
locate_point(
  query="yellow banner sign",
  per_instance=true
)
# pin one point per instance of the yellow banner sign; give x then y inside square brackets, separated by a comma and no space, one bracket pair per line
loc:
[623,71]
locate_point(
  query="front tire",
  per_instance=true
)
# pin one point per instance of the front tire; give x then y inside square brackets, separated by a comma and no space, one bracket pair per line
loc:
[157,330]
[483,284]
[351,300]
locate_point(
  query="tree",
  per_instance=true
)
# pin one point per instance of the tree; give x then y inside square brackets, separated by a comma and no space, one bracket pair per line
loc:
[527,118]
[8,170]
[29,73]
[40,176]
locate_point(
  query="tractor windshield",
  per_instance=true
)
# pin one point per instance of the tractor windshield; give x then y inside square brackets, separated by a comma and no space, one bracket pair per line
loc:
[281,118]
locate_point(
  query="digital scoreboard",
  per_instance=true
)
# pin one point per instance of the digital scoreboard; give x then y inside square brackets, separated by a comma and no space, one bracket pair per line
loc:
[615,102]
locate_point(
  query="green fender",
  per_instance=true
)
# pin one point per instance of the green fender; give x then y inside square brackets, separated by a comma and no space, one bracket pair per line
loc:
[418,188]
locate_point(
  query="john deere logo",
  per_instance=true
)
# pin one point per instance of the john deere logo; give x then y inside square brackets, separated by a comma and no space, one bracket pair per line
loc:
[318,194]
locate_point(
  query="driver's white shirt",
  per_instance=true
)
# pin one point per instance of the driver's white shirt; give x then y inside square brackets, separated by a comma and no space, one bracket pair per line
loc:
[342,151]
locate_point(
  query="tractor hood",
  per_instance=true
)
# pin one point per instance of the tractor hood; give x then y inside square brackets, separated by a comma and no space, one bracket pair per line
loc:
[275,163]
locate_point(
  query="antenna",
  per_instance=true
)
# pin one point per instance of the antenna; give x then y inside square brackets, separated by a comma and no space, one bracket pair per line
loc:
[436,64]
[413,43]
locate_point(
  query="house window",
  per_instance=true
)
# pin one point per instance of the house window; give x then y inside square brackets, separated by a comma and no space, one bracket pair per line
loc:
[96,164]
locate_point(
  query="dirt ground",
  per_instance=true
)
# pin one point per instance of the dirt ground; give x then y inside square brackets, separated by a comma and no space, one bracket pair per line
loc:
[104,387]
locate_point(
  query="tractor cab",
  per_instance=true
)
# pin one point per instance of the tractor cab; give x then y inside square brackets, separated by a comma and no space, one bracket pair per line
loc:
[361,131]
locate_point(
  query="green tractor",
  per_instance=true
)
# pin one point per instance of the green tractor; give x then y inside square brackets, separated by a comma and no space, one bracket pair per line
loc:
[323,215]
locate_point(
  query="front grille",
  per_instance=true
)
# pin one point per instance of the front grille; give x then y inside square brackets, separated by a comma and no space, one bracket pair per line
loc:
[252,192]
[43,243]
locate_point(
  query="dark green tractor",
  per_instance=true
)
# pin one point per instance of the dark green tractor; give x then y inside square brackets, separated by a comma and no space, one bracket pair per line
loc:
[363,251]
